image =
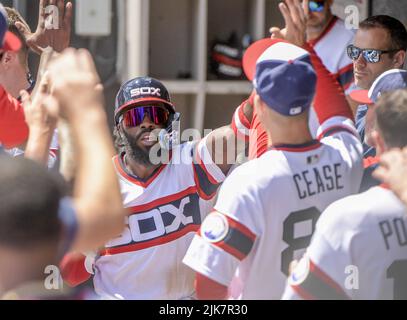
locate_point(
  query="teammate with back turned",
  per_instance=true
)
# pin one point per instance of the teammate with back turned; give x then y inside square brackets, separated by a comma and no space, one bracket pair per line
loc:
[359,249]
[267,209]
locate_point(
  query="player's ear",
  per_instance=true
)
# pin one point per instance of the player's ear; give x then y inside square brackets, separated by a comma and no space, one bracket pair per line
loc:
[379,143]
[399,59]
[8,58]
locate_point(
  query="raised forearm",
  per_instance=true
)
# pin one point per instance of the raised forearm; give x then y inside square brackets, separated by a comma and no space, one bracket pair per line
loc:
[96,179]
[330,100]
[67,152]
[38,145]
[97,197]
[226,143]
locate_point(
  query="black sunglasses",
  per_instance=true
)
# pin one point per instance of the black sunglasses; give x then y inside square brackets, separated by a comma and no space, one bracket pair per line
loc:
[370,55]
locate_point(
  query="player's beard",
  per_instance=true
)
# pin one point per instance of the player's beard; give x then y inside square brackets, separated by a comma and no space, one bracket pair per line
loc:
[134,151]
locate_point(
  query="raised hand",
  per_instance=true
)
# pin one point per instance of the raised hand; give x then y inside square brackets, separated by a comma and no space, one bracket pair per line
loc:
[295,22]
[36,114]
[48,35]
[40,122]
[75,82]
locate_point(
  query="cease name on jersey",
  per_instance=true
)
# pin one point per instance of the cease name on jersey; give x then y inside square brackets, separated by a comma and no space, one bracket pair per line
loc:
[317,180]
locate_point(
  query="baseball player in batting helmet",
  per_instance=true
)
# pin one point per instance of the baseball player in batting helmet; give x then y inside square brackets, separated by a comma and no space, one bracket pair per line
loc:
[147,96]
[166,202]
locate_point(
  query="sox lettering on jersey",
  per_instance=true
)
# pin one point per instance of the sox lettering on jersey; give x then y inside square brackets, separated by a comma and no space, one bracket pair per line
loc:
[160,221]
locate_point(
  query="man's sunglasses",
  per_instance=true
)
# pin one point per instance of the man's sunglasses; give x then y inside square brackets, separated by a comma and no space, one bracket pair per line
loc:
[316,6]
[135,117]
[370,55]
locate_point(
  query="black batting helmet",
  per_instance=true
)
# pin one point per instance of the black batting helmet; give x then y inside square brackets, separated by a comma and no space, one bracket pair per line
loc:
[145,89]
[140,90]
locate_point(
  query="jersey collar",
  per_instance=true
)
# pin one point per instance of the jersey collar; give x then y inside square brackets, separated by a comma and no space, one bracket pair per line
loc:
[122,170]
[312,145]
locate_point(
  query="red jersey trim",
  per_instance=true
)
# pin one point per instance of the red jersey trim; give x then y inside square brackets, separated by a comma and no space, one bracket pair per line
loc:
[152,243]
[325,278]
[345,69]
[118,163]
[208,289]
[239,135]
[243,229]
[322,276]
[335,129]
[210,178]
[202,165]
[347,86]
[53,153]
[164,200]
[232,251]
[242,116]
[224,244]
[345,77]
[298,148]
[200,191]
[328,28]
[303,293]
[73,269]
[227,248]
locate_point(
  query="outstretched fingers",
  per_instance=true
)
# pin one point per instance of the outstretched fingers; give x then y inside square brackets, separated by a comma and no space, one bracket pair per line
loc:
[67,21]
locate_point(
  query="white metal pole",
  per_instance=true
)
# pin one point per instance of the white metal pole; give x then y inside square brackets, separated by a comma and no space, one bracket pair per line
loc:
[137,35]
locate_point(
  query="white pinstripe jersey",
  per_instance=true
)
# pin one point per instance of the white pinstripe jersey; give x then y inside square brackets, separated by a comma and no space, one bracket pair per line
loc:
[359,251]
[145,262]
[267,210]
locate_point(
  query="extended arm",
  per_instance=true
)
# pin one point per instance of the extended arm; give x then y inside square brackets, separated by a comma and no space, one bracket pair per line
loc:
[225,143]
[97,197]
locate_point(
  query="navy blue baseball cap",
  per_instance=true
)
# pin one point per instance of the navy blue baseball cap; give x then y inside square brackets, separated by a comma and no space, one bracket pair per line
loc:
[9,41]
[291,98]
[388,81]
[285,79]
